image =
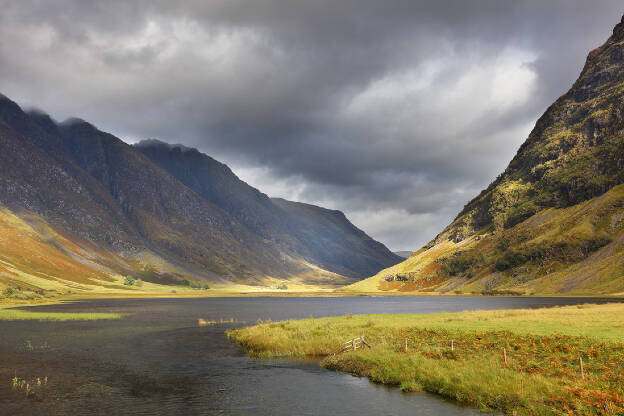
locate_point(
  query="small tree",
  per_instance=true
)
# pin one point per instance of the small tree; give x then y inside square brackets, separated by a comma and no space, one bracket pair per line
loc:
[138,283]
[128,281]
[8,292]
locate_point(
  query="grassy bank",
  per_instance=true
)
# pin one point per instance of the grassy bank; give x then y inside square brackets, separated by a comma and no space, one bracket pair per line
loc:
[11,313]
[460,355]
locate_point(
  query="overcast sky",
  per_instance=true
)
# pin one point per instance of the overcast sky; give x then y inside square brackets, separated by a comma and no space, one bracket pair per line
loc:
[397,112]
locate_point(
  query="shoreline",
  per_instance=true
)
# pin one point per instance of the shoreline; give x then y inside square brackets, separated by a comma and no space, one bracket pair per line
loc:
[475,358]
[216,293]
[14,309]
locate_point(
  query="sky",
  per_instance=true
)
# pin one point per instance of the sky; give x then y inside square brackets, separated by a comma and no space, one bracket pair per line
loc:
[397,112]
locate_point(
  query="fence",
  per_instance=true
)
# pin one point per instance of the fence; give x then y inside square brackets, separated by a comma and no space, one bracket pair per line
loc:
[353,345]
[357,343]
[504,353]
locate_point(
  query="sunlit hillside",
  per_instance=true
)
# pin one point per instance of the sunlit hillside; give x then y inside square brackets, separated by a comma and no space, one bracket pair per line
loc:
[552,221]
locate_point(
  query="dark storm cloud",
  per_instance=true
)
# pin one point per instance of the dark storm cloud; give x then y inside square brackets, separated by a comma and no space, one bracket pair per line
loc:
[397,111]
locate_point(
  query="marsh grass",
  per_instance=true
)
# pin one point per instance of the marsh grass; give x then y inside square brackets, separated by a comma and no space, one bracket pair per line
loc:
[29,387]
[10,313]
[543,347]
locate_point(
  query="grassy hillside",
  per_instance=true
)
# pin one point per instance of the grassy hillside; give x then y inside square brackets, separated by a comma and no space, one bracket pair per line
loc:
[577,250]
[38,262]
[551,222]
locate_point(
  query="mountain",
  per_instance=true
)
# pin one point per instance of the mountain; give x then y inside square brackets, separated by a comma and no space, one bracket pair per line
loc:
[553,221]
[319,236]
[80,208]
[404,254]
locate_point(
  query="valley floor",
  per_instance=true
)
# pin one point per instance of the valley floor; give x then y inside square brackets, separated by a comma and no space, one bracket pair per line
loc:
[462,355]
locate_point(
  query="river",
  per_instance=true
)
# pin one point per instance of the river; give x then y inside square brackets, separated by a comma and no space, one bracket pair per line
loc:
[158,361]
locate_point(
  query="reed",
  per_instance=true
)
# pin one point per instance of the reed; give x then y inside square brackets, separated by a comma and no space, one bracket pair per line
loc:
[10,313]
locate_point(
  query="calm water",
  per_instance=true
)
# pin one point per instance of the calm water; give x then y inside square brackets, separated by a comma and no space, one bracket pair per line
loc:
[157,361]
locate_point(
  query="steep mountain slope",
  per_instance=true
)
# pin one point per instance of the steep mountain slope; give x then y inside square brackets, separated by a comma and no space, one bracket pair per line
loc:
[34,186]
[552,221]
[81,207]
[218,184]
[320,236]
[331,240]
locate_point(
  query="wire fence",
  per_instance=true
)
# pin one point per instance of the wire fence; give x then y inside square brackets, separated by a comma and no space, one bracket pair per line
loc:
[507,353]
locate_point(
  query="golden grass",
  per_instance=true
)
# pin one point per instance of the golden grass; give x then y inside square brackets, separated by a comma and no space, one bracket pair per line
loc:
[600,273]
[10,313]
[543,348]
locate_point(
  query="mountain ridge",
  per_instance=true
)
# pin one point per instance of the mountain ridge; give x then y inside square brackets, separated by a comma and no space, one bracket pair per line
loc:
[87,198]
[286,223]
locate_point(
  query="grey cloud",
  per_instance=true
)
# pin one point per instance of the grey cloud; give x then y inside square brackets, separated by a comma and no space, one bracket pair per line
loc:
[401,108]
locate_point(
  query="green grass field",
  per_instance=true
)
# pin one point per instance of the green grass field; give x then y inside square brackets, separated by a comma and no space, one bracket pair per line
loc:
[10,313]
[460,355]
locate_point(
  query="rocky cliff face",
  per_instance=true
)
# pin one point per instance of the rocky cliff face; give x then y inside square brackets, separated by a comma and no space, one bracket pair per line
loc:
[523,230]
[116,208]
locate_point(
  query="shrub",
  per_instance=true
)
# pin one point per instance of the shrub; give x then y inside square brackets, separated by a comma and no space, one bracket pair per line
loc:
[458,265]
[128,281]
[8,292]
[509,260]
[282,286]
[598,242]
[521,213]
[503,244]
[494,292]
[196,284]
[138,283]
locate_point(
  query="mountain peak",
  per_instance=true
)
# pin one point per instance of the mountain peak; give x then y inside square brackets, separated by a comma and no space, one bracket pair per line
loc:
[619,28]
[75,121]
[147,143]
[41,115]
[6,104]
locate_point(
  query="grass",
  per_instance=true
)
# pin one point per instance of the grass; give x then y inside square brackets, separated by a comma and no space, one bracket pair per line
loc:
[570,251]
[29,387]
[10,313]
[543,346]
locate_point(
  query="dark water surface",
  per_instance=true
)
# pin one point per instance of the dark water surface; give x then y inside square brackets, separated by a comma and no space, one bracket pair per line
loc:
[157,361]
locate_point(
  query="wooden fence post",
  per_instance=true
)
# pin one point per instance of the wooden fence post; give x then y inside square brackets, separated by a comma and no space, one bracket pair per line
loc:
[505,355]
[405,344]
[582,372]
[452,345]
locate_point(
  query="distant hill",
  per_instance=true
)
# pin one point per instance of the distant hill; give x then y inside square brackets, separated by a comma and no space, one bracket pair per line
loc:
[81,207]
[404,254]
[553,221]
